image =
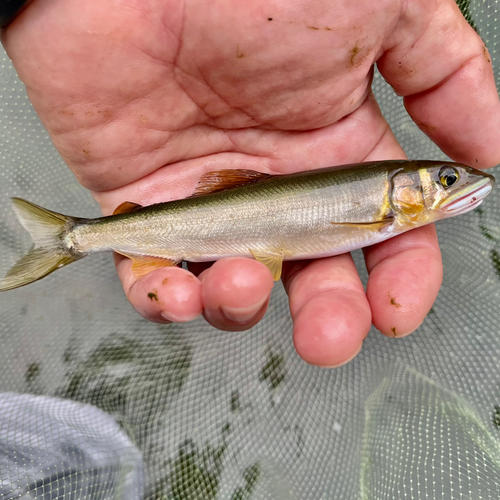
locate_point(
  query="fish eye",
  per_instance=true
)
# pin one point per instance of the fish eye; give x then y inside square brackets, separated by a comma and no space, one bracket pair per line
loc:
[448,176]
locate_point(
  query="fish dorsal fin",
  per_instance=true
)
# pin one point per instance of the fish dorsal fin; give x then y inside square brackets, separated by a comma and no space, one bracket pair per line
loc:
[126,207]
[220,180]
[377,225]
[273,261]
[144,264]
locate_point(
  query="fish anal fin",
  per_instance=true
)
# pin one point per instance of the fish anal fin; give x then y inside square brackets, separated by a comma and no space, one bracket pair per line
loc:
[126,207]
[145,264]
[273,261]
[377,225]
[220,180]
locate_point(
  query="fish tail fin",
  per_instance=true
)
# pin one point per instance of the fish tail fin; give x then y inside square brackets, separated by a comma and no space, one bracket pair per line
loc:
[48,252]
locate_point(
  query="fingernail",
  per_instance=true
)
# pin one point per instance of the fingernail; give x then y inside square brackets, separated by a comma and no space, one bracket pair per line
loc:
[344,362]
[177,319]
[242,314]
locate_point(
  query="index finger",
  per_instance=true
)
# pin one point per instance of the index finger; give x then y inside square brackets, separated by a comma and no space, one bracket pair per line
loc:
[442,68]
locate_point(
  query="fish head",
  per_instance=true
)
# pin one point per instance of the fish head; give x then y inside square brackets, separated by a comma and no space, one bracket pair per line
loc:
[437,190]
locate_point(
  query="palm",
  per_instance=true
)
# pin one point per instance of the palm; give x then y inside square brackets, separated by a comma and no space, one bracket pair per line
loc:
[141,98]
[121,104]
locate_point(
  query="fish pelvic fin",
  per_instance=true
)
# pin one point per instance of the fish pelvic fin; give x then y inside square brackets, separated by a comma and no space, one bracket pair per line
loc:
[48,252]
[273,261]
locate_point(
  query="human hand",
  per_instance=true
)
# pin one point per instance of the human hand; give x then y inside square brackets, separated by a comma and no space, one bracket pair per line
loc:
[142,97]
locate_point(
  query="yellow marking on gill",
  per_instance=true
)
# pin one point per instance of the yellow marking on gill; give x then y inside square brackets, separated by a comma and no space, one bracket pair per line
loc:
[431,197]
[385,208]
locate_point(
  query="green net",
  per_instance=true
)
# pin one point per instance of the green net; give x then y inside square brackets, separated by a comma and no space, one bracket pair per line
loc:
[422,441]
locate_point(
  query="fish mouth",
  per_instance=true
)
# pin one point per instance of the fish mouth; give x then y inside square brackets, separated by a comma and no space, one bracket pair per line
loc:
[468,198]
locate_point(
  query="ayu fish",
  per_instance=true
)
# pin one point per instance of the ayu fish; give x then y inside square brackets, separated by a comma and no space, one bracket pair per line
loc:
[272,218]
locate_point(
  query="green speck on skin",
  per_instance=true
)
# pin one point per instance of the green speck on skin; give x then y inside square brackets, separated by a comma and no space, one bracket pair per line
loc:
[354,53]
[495,260]
[32,372]
[153,295]
[394,334]
[274,370]
[393,301]
[496,416]
[235,401]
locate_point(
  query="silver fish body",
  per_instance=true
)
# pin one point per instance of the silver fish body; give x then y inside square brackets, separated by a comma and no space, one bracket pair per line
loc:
[272,218]
[295,216]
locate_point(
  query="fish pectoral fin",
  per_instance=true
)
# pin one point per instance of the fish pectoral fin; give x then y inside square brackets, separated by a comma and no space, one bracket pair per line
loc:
[410,209]
[126,207]
[220,180]
[273,261]
[145,264]
[377,225]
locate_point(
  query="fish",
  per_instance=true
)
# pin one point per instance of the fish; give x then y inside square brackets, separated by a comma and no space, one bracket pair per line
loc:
[271,218]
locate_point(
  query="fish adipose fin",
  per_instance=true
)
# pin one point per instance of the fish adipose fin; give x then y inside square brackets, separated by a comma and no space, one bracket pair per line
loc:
[273,261]
[377,225]
[145,264]
[48,252]
[220,180]
[126,207]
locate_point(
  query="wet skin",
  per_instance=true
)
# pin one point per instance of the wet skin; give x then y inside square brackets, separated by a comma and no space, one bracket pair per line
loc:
[142,97]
